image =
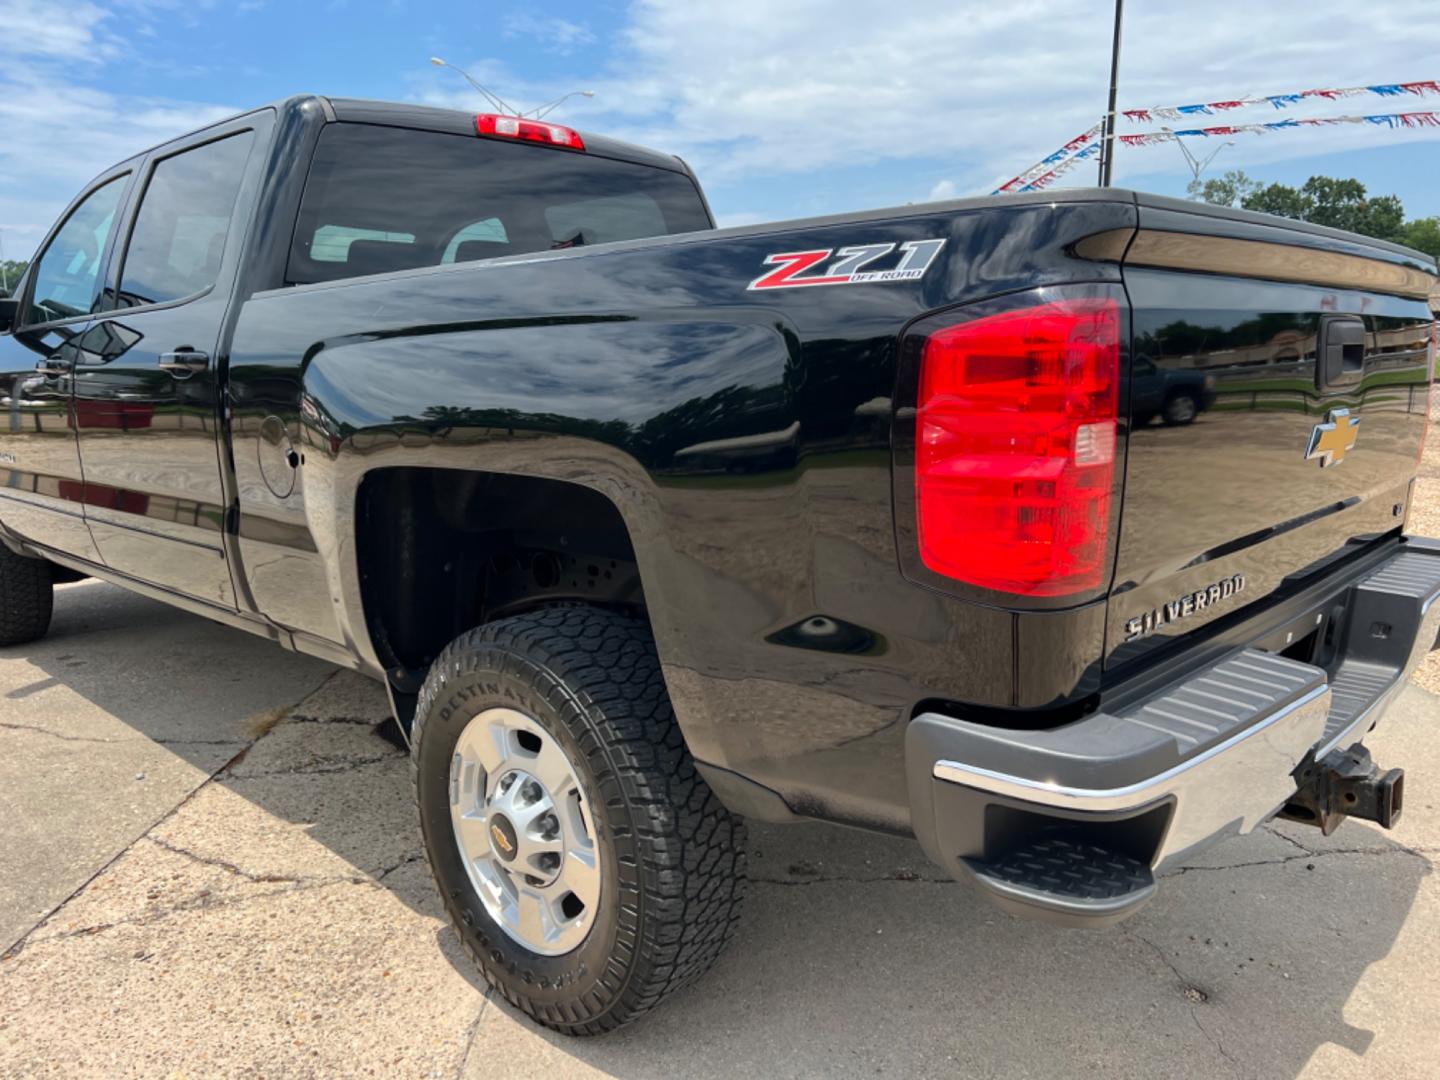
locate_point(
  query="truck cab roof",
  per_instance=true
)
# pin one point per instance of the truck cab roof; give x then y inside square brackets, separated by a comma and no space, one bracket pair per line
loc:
[462,122]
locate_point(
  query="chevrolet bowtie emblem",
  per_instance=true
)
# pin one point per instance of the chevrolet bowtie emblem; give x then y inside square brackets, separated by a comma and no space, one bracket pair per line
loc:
[1333,439]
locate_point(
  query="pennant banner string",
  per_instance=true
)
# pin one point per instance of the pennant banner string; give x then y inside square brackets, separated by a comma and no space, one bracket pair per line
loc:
[1044,180]
[1044,172]
[1282,101]
[1047,165]
[1387,120]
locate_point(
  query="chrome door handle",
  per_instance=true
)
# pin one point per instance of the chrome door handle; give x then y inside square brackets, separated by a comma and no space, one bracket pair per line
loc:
[52,368]
[184,362]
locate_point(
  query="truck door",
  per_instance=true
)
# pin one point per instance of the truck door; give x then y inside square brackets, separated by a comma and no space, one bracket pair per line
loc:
[41,491]
[147,400]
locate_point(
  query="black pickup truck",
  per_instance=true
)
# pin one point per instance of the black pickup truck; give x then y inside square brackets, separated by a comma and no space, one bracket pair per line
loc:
[649,527]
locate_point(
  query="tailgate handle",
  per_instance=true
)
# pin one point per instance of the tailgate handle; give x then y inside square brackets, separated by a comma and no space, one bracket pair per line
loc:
[1342,351]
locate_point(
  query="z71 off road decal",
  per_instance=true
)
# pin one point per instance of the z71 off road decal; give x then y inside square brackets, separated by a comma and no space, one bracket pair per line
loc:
[797,269]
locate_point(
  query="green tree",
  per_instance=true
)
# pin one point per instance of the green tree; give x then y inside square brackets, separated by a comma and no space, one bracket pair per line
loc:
[1281,200]
[1228,190]
[1423,234]
[1341,204]
[10,272]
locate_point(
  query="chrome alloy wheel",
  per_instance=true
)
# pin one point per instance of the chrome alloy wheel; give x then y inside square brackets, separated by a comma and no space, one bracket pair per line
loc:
[524,831]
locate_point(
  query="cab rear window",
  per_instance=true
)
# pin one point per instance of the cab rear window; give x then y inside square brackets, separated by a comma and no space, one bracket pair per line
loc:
[380,199]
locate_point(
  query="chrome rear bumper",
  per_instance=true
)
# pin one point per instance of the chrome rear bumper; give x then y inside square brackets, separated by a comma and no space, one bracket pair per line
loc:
[1209,755]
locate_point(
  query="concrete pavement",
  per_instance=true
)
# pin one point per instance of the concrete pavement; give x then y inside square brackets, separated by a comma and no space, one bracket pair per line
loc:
[278,919]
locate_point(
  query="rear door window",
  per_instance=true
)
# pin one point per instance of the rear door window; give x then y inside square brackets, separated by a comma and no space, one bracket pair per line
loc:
[67,276]
[380,199]
[179,236]
[599,221]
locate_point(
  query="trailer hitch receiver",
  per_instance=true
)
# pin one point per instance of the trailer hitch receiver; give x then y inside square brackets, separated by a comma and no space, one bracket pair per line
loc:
[1345,783]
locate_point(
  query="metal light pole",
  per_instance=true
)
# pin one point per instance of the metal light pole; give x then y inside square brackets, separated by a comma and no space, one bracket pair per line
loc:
[494,100]
[1107,151]
[545,110]
[1197,165]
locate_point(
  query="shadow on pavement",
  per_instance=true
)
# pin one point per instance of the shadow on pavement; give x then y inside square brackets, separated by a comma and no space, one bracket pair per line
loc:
[852,956]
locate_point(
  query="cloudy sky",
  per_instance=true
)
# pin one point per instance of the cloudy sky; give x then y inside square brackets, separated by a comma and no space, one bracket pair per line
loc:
[785,109]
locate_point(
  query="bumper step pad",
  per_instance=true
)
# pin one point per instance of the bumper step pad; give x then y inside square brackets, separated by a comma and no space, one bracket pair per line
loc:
[1396,604]
[1070,824]
[1066,876]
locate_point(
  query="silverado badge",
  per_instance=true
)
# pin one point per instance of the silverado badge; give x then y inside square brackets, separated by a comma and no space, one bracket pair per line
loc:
[1333,439]
[1183,606]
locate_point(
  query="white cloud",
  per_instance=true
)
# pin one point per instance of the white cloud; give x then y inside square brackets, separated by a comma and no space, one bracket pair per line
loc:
[58,133]
[30,28]
[553,34]
[752,88]
[759,95]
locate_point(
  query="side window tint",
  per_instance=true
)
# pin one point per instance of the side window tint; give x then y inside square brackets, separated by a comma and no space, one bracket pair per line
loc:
[67,275]
[179,235]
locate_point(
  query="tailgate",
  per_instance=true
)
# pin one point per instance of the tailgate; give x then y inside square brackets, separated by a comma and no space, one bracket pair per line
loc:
[1277,401]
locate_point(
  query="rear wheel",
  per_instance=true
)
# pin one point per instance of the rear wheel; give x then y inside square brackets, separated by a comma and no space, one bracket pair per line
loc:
[1181,409]
[27,598]
[589,870]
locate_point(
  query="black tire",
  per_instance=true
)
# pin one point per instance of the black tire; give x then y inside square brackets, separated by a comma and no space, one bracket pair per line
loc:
[27,598]
[1181,408]
[673,859]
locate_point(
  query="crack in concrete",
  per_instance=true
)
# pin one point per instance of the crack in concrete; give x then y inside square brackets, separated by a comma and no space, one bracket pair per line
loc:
[1419,853]
[472,1033]
[229,867]
[137,738]
[58,734]
[318,768]
[356,721]
[205,901]
[410,857]
[19,943]
[1288,839]
[1186,988]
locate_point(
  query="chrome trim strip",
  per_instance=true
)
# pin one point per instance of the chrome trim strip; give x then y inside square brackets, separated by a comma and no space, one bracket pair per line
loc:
[1276,262]
[1129,797]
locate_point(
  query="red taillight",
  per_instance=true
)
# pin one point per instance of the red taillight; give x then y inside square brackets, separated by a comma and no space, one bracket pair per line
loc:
[1015,447]
[514,127]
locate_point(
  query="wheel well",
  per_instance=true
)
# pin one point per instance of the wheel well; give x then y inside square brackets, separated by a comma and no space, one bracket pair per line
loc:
[443,550]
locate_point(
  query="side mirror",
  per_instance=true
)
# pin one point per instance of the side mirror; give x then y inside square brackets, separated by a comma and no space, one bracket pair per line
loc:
[9,314]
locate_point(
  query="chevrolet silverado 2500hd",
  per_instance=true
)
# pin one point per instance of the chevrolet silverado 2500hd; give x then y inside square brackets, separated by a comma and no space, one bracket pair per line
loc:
[648,527]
